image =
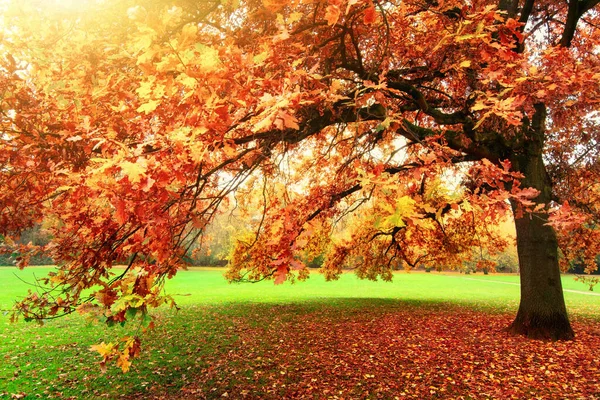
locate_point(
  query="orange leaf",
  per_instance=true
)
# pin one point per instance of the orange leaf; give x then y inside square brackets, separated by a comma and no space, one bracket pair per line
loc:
[121,212]
[332,14]
[289,121]
[124,362]
[281,275]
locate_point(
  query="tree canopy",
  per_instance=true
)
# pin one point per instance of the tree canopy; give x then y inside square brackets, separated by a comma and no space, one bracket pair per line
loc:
[128,125]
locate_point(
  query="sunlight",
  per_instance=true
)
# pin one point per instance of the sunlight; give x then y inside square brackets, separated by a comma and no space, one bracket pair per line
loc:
[55,6]
[68,6]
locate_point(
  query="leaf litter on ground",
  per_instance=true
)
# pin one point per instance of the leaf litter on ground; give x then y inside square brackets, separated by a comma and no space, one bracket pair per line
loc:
[295,351]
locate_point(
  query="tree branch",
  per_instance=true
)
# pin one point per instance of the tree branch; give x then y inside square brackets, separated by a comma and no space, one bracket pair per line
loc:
[576,10]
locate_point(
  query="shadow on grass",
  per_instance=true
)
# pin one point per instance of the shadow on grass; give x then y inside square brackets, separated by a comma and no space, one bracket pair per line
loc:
[383,348]
[54,360]
[325,347]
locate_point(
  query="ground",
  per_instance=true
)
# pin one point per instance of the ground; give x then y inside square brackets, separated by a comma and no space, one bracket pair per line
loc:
[423,336]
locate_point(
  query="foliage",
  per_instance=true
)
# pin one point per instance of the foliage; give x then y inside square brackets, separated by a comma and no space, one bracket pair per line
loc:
[505,262]
[576,266]
[129,125]
[37,236]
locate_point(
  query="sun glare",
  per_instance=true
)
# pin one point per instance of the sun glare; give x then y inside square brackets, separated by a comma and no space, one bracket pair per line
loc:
[60,6]
[68,5]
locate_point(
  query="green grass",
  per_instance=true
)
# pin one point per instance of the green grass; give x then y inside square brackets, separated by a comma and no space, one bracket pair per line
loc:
[53,360]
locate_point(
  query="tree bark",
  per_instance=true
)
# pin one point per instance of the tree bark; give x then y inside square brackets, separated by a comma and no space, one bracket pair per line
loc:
[542,312]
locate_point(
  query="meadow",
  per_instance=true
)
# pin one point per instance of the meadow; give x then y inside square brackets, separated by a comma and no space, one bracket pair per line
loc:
[424,335]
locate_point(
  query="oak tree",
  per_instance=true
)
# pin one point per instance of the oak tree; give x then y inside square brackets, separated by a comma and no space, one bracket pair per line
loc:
[128,125]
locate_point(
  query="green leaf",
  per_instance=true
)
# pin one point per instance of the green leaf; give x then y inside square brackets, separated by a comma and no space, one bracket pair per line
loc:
[131,312]
[146,320]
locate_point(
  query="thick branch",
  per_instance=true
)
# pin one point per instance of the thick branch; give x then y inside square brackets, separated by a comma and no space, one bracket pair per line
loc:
[526,12]
[475,150]
[316,124]
[576,10]
[334,199]
[440,117]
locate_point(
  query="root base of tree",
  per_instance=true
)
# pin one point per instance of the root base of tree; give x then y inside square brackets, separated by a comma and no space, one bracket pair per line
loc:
[553,327]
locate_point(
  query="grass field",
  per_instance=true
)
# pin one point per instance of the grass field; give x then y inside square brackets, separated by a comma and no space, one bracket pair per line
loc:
[218,322]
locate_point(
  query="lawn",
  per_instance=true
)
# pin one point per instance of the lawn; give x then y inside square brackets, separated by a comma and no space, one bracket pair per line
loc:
[425,335]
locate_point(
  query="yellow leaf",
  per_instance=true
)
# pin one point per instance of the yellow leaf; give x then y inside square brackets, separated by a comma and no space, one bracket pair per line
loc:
[298,62]
[295,17]
[144,39]
[405,205]
[428,209]
[187,81]
[208,58]
[260,58]
[145,88]
[149,106]
[104,349]
[465,37]
[465,64]
[188,33]
[170,63]
[478,106]
[263,124]
[123,362]
[134,171]
[159,91]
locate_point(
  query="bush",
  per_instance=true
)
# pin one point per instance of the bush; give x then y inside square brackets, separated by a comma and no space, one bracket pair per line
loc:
[316,262]
[507,262]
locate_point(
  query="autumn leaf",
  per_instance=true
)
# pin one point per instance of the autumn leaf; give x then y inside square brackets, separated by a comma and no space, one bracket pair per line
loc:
[289,121]
[332,14]
[370,15]
[134,171]
[123,362]
[104,349]
[280,274]
[149,106]
[479,106]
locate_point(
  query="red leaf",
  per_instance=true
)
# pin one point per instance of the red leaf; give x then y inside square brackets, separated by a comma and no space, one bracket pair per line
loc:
[370,15]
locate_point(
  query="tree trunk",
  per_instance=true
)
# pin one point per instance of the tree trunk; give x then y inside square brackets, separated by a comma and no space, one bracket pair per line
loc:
[542,312]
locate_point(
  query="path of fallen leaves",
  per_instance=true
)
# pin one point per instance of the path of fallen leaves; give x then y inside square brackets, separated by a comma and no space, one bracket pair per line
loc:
[289,352]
